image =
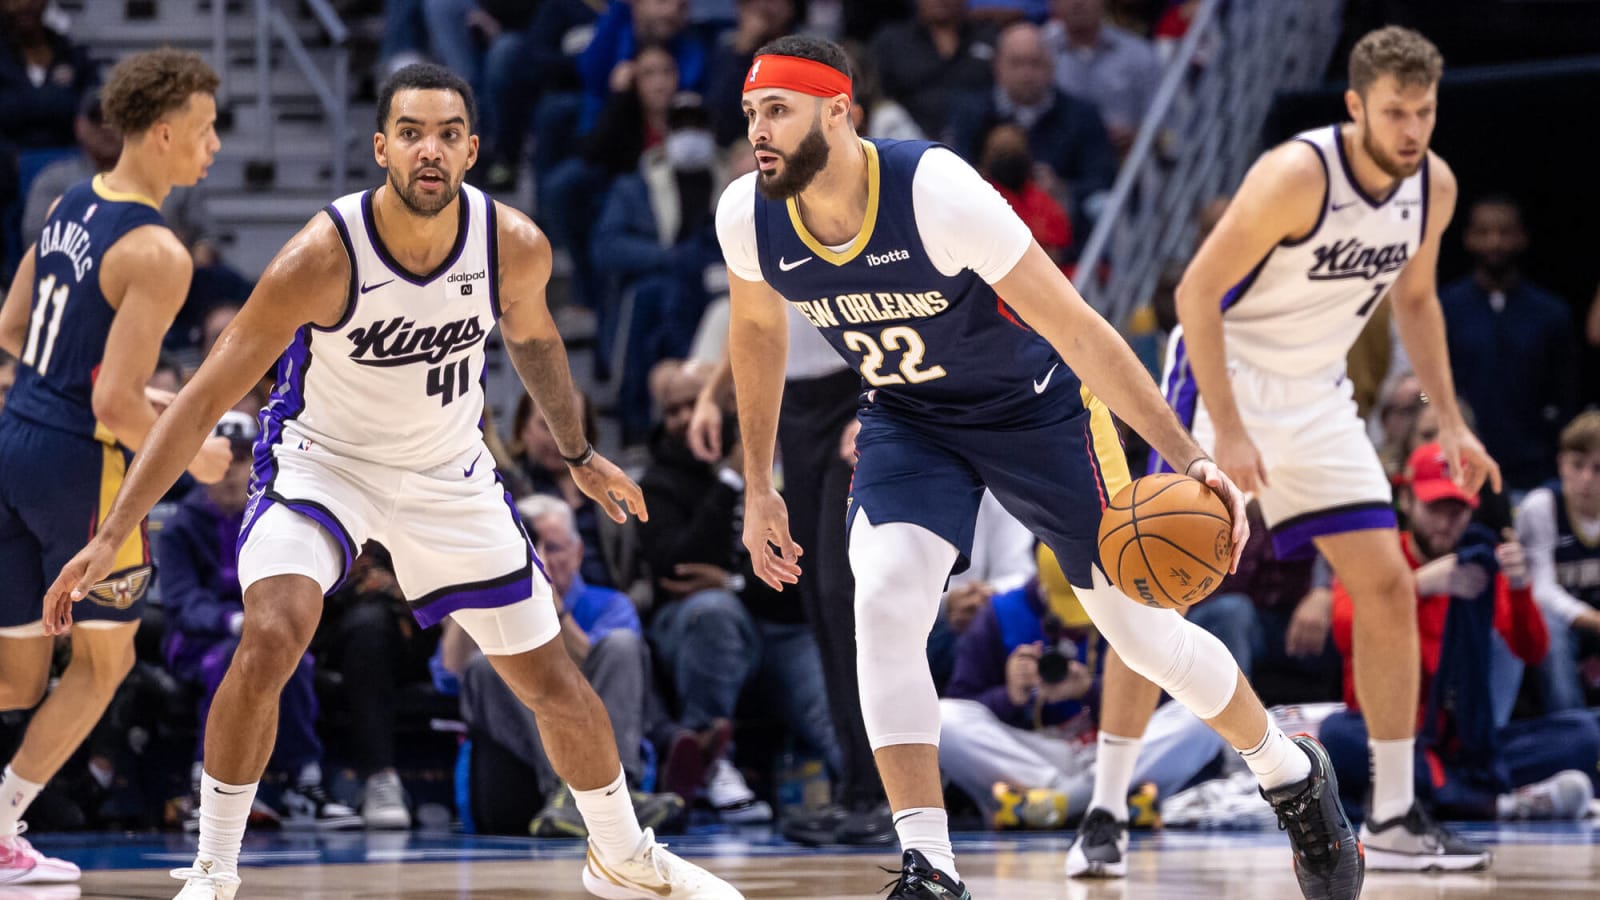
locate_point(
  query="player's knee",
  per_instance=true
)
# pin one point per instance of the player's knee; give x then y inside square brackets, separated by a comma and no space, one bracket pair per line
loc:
[1385,590]
[272,645]
[107,665]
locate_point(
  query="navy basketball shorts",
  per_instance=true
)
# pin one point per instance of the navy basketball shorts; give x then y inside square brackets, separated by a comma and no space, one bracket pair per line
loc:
[55,487]
[1055,477]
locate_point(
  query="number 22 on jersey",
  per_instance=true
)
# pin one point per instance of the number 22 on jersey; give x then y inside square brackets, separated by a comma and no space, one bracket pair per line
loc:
[897,337]
[41,341]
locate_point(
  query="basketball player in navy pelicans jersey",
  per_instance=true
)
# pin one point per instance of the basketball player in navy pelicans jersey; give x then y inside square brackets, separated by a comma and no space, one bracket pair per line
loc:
[899,253]
[85,317]
[1323,227]
[377,313]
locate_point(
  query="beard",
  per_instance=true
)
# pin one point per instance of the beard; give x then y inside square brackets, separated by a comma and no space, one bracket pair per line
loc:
[1390,166]
[799,167]
[421,204]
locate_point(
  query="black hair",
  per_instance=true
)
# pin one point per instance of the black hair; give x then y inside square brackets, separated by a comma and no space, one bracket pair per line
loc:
[815,49]
[1498,198]
[426,77]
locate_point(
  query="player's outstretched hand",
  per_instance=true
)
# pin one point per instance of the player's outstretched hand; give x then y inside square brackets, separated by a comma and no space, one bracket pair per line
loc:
[1238,457]
[766,525]
[82,572]
[1233,498]
[610,487]
[705,429]
[210,465]
[1470,464]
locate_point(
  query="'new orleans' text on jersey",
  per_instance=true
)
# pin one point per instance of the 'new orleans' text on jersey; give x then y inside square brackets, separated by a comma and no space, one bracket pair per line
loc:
[933,345]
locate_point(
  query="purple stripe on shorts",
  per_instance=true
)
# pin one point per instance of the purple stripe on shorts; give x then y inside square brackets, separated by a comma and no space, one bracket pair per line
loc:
[1183,395]
[1292,538]
[261,502]
[514,591]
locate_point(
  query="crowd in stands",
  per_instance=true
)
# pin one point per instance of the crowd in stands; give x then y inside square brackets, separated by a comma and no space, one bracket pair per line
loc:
[623,118]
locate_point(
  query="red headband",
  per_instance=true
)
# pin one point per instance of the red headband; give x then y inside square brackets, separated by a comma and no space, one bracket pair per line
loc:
[797,74]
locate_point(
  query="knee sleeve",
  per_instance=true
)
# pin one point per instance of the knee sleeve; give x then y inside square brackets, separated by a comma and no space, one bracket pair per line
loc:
[1184,659]
[900,571]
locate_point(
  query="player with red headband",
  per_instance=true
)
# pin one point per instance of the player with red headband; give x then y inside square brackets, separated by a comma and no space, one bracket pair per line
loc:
[900,253]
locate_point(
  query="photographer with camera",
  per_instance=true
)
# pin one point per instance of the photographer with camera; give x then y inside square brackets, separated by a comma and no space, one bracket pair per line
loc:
[1474,604]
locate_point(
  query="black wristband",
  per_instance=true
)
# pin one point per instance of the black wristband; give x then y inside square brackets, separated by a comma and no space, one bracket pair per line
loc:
[582,459]
[1200,458]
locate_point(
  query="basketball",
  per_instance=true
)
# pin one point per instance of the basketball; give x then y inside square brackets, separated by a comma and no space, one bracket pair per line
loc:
[1166,540]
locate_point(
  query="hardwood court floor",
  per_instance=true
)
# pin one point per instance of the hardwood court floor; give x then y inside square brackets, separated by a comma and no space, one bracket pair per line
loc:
[1530,862]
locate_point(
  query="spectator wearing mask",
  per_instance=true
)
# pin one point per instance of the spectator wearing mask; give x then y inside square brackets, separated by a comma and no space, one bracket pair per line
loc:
[928,60]
[717,628]
[1007,165]
[1474,599]
[1063,131]
[1512,347]
[1559,523]
[200,589]
[600,631]
[656,238]
[1114,69]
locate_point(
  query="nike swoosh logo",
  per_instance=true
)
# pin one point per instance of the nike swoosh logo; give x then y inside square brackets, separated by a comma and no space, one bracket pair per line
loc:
[1339,206]
[467,472]
[613,790]
[1039,386]
[618,880]
[372,287]
[902,818]
[228,793]
[786,266]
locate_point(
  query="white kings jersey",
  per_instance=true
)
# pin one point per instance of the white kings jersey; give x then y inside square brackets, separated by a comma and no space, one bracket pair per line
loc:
[399,380]
[1303,306]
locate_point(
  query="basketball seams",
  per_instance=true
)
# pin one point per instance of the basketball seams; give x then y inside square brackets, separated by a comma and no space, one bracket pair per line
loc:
[1180,548]
[1200,504]
[1133,519]
[1172,479]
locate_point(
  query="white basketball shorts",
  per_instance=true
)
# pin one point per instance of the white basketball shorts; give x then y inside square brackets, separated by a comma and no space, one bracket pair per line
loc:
[1323,473]
[457,543]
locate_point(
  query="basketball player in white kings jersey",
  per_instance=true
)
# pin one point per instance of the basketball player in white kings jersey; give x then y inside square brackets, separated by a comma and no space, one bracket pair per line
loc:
[1323,227]
[384,302]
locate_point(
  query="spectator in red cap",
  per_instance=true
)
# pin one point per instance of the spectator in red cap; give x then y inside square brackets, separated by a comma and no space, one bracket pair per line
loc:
[1478,626]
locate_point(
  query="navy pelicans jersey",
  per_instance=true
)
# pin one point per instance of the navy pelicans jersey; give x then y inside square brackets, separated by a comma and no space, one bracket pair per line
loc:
[1577,560]
[69,318]
[398,380]
[942,348]
[1303,306]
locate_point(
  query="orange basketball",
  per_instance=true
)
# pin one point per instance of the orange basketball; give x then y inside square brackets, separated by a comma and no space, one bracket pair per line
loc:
[1166,540]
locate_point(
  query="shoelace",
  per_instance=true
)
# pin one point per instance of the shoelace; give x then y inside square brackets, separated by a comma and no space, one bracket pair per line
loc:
[195,873]
[1308,832]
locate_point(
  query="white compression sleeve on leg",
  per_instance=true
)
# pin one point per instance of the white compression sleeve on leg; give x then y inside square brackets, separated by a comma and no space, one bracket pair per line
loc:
[900,571]
[1184,659]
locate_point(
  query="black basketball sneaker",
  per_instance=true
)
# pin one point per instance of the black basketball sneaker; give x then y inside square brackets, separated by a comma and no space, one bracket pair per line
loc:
[1100,848]
[1328,860]
[919,880]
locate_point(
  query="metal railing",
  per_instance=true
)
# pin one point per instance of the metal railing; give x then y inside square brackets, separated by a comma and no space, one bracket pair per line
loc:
[333,94]
[1199,136]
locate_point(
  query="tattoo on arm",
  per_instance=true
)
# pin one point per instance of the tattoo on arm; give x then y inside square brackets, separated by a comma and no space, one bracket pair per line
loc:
[541,363]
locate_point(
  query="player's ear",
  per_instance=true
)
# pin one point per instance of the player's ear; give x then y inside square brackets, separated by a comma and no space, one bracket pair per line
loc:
[472,150]
[1353,104]
[839,108]
[380,151]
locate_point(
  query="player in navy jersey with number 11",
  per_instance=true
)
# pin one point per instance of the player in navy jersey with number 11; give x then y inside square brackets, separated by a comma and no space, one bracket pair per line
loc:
[900,254]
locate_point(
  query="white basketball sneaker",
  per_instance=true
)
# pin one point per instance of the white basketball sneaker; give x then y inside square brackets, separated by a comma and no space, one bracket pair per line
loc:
[21,864]
[650,874]
[200,883]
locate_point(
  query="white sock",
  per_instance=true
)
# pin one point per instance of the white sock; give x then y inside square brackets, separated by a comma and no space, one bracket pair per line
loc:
[1393,787]
[1114,760]
[16,794]
[926,829]
[613,827]
[1277,761]
[224,810]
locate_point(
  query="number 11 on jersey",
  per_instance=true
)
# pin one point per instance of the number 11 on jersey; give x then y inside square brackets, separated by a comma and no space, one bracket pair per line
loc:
[51,304]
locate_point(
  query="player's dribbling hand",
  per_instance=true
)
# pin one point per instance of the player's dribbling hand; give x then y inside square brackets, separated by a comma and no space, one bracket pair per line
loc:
[766,525]
[1233,498]
[705,429]
[82,572]
[210,465]
[1238,457]
[1470,464]
[609,486]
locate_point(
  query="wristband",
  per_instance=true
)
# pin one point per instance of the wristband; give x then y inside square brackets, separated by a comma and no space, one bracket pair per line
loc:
[582,459]
[1201,458]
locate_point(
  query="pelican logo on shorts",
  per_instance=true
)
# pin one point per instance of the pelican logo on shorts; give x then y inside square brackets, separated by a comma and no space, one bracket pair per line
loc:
[123,589]
[398,342]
